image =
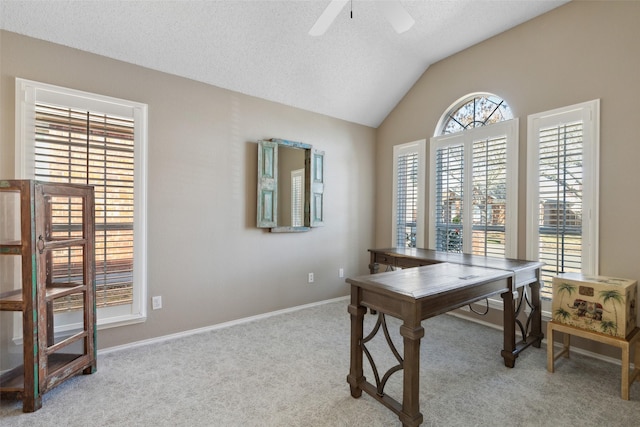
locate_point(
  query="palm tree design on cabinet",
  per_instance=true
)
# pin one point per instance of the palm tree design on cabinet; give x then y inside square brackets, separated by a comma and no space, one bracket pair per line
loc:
[614,297]
[564,288]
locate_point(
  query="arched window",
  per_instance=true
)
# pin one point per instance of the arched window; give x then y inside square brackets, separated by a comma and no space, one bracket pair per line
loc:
[473,178]
[472,111]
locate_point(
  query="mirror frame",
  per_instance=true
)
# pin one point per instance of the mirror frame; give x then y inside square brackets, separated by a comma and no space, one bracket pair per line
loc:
[267,203]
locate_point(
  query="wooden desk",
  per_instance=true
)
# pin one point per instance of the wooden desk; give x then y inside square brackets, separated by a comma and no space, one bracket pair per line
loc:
[524,273]
[441,282]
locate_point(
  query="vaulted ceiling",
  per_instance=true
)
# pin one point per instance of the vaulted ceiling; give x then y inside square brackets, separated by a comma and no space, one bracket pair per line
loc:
[358,70]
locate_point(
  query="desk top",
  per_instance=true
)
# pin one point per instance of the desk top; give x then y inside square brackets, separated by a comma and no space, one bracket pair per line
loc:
[459,258]
[431,280]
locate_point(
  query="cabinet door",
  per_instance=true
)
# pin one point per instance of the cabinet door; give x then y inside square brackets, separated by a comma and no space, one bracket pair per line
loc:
[315,181]
[267,184]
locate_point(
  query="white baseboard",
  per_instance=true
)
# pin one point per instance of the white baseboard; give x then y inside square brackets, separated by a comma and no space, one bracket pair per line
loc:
[215,327]
[574,349]
[315,304]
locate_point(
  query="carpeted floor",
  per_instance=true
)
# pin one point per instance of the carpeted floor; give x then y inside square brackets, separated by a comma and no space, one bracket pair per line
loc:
[290,370]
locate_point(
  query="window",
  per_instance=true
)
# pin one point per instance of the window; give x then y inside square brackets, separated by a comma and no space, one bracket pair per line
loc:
[408,179]
[472,111]
[297,198]
[473,179]
[562,190]
[70,136]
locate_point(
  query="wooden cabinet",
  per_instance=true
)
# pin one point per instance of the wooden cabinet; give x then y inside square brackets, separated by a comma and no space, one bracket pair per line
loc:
[47,266]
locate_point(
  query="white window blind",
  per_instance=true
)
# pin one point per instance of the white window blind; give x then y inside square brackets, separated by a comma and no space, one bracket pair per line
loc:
[563,190]
[473,191]
[560,194]
[407,204]
[449,190]
[297,198]
[408,217]
[489,196]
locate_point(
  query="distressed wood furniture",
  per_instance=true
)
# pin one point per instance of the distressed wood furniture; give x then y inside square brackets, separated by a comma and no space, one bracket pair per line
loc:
[438,283]
[50,257]
[526,283]
[625,344]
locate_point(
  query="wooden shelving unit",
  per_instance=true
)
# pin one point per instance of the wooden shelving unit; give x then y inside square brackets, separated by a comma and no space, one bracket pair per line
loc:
[56,251]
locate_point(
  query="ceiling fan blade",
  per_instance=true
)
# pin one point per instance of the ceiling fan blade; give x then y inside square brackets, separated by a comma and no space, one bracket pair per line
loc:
[328,16]
[397,16]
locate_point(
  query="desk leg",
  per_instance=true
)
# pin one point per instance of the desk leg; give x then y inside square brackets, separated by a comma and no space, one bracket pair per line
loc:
[412,332]
[357,312]
[509,326]
[536,314]
[374,267]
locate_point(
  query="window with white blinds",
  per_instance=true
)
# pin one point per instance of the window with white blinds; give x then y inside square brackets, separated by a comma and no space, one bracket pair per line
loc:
[473,191]
[408,174]
[489,196]
[563,171]
[449,191]
[75,137]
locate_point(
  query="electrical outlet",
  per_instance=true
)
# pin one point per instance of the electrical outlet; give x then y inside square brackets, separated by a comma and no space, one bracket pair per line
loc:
[156,302]
[310,277]
[341,272]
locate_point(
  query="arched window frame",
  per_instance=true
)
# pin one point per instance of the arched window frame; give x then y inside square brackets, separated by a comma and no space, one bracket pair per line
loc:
[484,125]
[497,110]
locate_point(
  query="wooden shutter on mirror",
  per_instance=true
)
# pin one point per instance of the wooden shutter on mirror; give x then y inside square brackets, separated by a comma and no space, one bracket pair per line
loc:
[315,183]
[267,184]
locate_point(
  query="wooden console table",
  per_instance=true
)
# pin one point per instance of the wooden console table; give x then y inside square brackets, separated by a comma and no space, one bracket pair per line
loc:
[441,282]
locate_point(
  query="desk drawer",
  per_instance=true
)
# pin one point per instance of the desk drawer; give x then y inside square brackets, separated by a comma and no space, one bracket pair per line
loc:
[410,262]
[385,259]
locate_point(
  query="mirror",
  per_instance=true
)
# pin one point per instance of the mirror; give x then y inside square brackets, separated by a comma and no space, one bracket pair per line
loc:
[290,186]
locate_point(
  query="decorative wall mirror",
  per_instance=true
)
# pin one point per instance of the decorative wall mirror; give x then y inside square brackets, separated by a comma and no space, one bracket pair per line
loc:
[290,186]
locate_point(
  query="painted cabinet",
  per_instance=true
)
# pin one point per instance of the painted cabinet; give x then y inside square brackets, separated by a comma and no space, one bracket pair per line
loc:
[47,265]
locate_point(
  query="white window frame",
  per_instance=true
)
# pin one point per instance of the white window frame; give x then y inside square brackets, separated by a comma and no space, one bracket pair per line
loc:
[420,148]
[589,113]
[508,128]
[27,93]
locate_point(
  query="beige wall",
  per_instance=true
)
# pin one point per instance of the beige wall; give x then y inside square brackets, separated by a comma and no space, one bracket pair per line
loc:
[206,257]
[578,52]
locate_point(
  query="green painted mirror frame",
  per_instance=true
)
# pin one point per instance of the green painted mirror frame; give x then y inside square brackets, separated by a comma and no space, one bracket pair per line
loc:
[269,185]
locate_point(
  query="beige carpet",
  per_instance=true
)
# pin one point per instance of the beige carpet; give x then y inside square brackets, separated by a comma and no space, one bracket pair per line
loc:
[290,370]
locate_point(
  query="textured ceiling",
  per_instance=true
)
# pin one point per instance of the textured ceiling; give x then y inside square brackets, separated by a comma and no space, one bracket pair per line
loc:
[357,71]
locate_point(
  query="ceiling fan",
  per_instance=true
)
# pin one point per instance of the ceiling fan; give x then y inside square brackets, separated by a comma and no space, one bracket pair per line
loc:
[393,11]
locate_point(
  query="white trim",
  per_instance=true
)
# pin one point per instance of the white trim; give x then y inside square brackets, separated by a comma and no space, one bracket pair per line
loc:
[578,350]
[589,113]
[216,326]
[27,92]
[459,103]
[419,147]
